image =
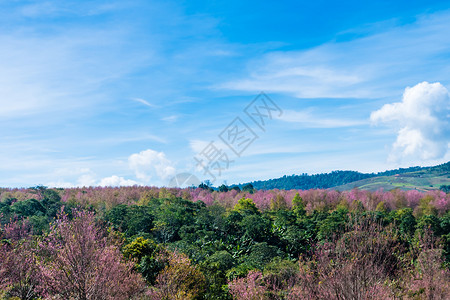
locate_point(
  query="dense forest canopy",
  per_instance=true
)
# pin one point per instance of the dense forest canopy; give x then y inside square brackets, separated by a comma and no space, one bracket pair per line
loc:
[160,243]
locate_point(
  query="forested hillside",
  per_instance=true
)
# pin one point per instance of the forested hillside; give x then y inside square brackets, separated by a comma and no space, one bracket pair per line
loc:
[340,178]
[315,181]
[158,243]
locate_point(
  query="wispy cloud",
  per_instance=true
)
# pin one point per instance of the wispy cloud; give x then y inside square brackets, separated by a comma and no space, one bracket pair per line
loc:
[171,118]
[145,102]
[372,66]
[310,120]
[132,137]
[83,84]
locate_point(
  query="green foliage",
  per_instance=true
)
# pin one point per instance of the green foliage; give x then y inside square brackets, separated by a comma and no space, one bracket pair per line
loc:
[217,244]
[221,260]
[139,248]
[118,216]
[223,188]
[296,241]
[425,208]
[206,186]
[28,208]
[39,223]
[145,254]
[131,219]
[180,279]
[239,271]
[248,188]
[232,223]
[430,222]
[445,223]
[246,206]
[334,179]
[149,267]
[261,254]
[316,181]
[281,274]
[381,207]
[357,207]
[256,227]
[445,188]
[51,200]
[171,215]
[405,220]
[214,268]
[236,188]
[298,206]
[333,224]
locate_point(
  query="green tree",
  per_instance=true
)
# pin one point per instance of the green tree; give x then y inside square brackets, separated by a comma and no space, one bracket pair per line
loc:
[215,268]
[248,188]
[30,207]
[246,206]
[298,206]
[261,254]
[223,188]
[257,228]
[405,221]
[430,222]
[333,224]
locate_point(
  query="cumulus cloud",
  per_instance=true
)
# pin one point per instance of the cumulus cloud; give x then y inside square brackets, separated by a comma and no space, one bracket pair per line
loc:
[87,180]
[117,181]
[422,121]
[86,177]
[59,184]
[148,163]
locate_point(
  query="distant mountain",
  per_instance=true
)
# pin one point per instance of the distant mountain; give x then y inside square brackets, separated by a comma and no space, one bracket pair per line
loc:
[422,178]
[425,179]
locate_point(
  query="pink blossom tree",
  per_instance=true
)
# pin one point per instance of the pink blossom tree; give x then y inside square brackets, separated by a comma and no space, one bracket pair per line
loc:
[80,262]
[19,273]
[250,287]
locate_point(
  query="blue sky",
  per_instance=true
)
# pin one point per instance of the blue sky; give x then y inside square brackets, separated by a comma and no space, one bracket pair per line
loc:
[130,92]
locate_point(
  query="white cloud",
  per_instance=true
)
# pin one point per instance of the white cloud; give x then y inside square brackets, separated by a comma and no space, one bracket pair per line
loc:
[198,145]
[311,120]
[148,163]
[86,180]
[296,74]
[145,102]
[170,119]
[117,181]
[371,66]
[422,121]
[59,184]
[89,178]
[84,177]
[52,8]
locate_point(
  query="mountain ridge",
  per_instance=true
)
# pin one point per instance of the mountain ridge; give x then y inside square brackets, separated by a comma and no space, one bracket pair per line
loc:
[417,177]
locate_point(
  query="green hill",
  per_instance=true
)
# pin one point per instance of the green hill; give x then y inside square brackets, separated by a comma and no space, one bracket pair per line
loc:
[421,178]
[431,178]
